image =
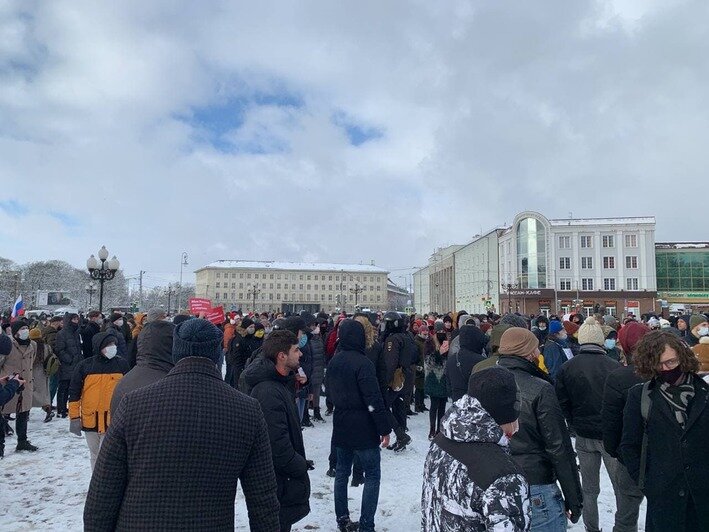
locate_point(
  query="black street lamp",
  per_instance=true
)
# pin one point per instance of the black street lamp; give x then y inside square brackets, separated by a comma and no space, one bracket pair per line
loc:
[102,272]
[509,287]
[91,290]
[252,293]
[357,290]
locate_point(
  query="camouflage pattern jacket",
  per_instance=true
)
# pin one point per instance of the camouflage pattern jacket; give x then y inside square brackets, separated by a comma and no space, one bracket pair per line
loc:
[470,481]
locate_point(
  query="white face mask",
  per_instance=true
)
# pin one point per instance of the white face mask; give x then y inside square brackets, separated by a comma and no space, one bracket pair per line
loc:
[233,322]
[24,334]
[110,351]
[316,330]
[119,323]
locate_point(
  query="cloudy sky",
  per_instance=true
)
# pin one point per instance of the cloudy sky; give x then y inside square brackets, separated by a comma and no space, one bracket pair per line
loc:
[341,131]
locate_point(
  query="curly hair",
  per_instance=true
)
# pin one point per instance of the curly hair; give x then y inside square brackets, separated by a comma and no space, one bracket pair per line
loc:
[650,349]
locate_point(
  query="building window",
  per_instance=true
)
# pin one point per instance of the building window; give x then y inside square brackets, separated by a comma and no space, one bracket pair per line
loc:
[278,297]
[248,276]
[565,283]
[241,276]
[564,263]
[301,287]
[233,285]
[216,295]
[270,296]
[631,283]
[241,285]
[322,297]
[308,278]
[587,263]
[631,241]
[308,287]
[329,277]
[315,277]
[586,241]
[609,284]
[379,298]
[531,253]
[301,277]
[241,295]
[218,275]
[587,283]
[233,296]
[608,241]
[233,276]
[631,262]
[329,297]
[263,286]
[337,278]
[608,263]
[564,242]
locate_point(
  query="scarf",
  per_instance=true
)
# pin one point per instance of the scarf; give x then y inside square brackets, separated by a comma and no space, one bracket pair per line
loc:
[678,397]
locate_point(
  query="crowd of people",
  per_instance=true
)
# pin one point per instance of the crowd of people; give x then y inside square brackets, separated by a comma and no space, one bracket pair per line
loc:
[522,411]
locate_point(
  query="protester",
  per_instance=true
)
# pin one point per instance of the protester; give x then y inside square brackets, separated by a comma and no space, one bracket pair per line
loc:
[435,383]
[542,447]
[49,334]
[698,329]
[153,360]
[40,377]
[117,323]
[470,456]
[396,356]
[68,349]
[460,366]
[272,378]
[240,349]
[556,348]
[579,387]
[360,423]
[318,350]
[176,450]
[91,390]
[665,427]
[424,343]
[19,360]
[91,328]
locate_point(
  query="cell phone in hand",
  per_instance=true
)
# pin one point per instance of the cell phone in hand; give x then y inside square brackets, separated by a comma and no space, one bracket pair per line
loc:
[301,372]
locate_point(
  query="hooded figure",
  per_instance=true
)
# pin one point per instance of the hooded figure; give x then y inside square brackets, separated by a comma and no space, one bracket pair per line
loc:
[460,366]
[153,362]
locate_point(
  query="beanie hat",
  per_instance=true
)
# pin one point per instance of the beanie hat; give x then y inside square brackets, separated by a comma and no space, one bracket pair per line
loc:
[155,314]
[447,318]
[438,326]
[35,334]
[246,323]
[653,322]
[496,389]
[197,338]
[180,318]
[515,320]
[664,324]
[555,326]
[694,320]
[5,345]
[293,324]
[630,334]
[17,325]
[570,327]
[518,341]
[612,334]
[591,333]
[115,316]
[610,320]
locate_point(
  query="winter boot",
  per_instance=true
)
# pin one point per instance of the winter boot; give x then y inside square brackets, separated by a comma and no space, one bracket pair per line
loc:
[345,525]
[331,472]
[7,428]
[431,434]
[357,480]
[50,414]
[328,412]
[317,416]
[25,445]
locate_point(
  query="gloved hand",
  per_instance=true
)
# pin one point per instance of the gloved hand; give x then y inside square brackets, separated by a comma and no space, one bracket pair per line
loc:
[574,514]
[75,426]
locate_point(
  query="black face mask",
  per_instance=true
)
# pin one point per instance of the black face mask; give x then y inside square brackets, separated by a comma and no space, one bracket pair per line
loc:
[441,337]
[671,376]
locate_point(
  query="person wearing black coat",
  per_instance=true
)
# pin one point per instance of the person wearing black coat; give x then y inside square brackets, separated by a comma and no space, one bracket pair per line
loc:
[117,323]
[677,426]
[460,366]
[360,422]
[91,328]
[542,446]
[270,377]
[68,350]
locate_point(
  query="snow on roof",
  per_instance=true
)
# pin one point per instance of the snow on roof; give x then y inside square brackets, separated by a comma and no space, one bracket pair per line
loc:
[604,221]
[293,266]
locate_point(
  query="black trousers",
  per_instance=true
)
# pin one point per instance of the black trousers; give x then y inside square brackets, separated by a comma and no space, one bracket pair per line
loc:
[397,407]
[63,397]
[20,428]
[438,408]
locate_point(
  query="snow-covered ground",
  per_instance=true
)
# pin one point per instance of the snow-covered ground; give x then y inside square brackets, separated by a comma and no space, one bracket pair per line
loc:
[46,490]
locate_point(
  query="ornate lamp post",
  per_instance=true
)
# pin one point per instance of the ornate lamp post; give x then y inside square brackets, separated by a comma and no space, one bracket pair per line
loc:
[253,291]
[105,271]
[91,290]
[509,287]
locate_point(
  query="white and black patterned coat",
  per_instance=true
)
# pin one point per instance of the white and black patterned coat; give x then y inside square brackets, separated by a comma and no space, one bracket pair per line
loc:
[481,488]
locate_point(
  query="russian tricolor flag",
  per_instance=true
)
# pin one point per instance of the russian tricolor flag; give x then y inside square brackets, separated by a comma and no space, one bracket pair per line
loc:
[19,308]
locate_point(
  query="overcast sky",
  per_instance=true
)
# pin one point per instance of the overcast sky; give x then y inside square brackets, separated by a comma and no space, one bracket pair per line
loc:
[341,131]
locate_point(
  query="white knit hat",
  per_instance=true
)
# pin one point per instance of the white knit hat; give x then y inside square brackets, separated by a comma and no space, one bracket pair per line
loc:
[591,333]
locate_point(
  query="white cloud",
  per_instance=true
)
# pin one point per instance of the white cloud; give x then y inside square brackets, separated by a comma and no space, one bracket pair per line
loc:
[485,109]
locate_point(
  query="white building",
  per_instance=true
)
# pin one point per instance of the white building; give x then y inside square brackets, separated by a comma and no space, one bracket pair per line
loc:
[292,286]
[477,286]
[561,265]
[422,291]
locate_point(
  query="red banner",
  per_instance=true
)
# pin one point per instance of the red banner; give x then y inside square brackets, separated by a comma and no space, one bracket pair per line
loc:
[215,315]
[198,305]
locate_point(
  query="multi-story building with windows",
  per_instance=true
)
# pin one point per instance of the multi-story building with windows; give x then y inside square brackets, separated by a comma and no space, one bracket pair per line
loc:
[291,286]
[562,265]
[683,275]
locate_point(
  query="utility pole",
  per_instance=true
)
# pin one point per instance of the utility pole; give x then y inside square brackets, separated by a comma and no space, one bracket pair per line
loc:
[140,290]
[169,297]
[183,263]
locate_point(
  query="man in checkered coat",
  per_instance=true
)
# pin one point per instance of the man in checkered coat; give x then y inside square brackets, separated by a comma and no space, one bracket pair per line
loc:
[176,449]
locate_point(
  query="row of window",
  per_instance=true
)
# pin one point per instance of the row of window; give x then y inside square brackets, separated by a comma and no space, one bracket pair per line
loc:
[609,283]
[631,262]
[372,288]
[607,241]
[315,277]
[219,296]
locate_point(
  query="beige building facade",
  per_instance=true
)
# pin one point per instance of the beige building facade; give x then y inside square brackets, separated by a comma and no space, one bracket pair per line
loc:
[292,286]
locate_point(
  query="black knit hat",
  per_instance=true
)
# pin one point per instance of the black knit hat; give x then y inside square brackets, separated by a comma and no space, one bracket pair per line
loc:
[115,316]
[496,389]
[5,345]
[17,325]
[197,338]
[294,324]
[180,318]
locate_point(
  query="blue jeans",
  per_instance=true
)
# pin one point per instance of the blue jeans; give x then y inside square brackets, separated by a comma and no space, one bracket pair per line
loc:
[371,465]
[547,508]
[300,403]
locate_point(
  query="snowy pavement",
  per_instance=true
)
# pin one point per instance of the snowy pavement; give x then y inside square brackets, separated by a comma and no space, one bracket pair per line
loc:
[46,490]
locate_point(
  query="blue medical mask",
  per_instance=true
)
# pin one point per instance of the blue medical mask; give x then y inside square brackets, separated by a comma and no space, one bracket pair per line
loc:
[703,331]
[609,343]
[303,341]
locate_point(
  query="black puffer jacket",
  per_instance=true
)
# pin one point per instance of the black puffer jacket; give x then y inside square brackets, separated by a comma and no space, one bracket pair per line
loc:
[542,447]
[615,395]
[317,349]
[68,349]
[360,416]
[272,391]
[153,362]
[375,353]
[579,387]
[460,366]
[88,331]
